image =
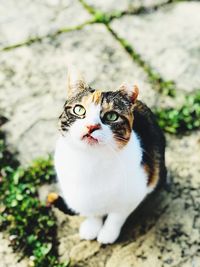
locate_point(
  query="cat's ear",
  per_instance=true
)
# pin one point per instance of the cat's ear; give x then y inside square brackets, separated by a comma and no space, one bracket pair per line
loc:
[131,91]
[75,82]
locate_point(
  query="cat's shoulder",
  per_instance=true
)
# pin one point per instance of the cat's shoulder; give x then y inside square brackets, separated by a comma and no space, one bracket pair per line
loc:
[144,119]
[142,109]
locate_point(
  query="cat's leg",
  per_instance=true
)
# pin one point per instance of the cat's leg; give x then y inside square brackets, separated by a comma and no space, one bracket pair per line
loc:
[112,227]
[90,228]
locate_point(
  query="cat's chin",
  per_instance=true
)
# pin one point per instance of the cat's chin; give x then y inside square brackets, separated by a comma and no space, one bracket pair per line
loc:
[90,140]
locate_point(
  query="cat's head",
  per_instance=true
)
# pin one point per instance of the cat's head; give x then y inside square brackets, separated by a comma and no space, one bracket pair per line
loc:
[93,118]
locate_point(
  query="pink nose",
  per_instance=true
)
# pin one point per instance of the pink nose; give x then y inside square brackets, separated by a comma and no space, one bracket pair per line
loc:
[92,128]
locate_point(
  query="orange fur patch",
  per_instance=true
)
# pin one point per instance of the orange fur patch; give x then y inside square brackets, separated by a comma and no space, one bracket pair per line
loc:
[127,130]
[107,106]
[121,143]
[52,197]
[96,97]
[153,175]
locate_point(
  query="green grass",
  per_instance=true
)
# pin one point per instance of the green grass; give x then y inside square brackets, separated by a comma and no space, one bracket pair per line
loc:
[30,223]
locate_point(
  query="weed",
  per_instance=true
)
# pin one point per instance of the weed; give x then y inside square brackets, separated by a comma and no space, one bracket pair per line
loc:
[30,223]
[185,118]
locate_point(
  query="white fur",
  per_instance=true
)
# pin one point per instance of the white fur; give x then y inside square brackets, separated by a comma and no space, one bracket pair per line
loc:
[90,228]
[101,179]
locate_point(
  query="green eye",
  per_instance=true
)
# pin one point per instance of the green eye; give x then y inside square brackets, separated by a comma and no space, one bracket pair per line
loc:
[79,110]
[111,116]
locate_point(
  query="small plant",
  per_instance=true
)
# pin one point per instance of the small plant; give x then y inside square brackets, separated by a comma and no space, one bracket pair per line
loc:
[185,118]
[30,223]
[100,17]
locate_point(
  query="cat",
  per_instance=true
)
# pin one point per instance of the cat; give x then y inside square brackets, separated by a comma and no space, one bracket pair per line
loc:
[109,156]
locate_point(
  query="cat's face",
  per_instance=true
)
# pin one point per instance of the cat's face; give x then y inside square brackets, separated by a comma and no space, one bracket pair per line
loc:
[92,118]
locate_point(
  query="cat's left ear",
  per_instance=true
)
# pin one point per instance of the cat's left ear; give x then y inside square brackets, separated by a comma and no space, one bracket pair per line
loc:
[75,82]
[131,91]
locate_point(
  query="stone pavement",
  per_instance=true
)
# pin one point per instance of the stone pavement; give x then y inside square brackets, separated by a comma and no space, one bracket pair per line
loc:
[38,39]
[7,257]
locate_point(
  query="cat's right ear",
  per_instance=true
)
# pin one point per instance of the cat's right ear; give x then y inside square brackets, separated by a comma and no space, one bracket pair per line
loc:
[75,82]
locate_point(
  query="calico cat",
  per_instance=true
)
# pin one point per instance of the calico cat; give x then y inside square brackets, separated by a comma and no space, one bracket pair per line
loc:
[108,158]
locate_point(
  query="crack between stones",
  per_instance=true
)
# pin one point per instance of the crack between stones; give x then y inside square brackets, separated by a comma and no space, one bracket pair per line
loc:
[159,84]
[39,39]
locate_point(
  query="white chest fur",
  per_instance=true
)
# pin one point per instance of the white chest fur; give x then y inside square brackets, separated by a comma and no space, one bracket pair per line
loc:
[98,181]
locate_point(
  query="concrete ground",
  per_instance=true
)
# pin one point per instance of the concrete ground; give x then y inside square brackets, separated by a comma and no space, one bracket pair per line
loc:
[38,39]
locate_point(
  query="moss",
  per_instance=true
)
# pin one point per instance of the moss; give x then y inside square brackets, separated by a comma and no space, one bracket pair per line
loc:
[50,36]
[107,17]
[98,17]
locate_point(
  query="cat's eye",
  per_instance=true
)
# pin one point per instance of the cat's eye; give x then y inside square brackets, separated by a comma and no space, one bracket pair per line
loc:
[79,110]
[111,116]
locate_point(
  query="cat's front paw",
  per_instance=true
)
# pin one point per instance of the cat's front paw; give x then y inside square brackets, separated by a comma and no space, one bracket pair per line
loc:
[108,235]
[90,228]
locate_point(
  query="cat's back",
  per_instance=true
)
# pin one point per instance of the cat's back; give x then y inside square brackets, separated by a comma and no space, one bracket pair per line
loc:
[152,141]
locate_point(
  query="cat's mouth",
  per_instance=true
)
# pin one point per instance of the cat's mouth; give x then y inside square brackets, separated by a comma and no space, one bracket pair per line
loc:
[90,139]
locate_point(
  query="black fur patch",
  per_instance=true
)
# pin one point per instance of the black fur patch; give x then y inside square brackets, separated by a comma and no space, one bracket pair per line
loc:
[151,137]
[121,102]
[122,105]
[67,118]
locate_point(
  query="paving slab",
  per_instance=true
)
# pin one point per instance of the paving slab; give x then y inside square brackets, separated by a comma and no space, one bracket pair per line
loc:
[123,5]
[7,257]
[25,19]
[33,81]
[164,231]
[168,40]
